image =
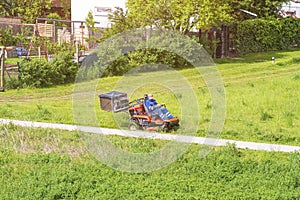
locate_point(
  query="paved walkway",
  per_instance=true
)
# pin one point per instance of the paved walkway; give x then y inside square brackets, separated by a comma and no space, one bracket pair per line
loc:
[151,135]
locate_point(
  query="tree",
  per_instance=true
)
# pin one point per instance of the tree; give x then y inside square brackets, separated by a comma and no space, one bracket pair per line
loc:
[121,22]
[183,16]
[90,23]
[178,15]
[66,8]
[262,8]
[27,9]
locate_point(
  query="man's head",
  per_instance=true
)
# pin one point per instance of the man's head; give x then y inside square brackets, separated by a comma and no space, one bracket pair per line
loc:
[150,96]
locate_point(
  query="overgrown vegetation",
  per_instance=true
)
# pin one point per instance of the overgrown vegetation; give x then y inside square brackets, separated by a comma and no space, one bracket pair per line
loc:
[29,10]
[50,164]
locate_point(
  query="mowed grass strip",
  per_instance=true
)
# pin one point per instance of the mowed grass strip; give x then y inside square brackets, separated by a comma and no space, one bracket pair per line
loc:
[262,99]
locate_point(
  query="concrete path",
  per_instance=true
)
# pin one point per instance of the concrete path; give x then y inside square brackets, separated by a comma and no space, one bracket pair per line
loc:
[151,135]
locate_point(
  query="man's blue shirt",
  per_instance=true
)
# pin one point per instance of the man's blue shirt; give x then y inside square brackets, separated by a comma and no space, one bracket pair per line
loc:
[150,103]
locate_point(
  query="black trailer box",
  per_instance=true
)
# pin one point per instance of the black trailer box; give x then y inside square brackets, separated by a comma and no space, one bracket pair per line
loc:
[114,101]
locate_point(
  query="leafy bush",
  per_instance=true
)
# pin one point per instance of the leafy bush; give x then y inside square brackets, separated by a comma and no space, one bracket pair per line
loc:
[35,73]
[66,67]
[6,37]
[13,83]
[267,34]
[41,73]
[161,49]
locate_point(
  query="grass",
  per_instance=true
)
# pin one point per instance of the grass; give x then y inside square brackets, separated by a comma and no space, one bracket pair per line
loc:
[26,141]
[13,61]
[51,164]
[262,99]
[262,104]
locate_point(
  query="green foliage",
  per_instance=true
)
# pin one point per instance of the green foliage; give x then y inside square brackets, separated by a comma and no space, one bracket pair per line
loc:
[266,35]
[209,45]
[179,15]
[262,8]
[64,64]
[24,37]
[253,83]
[57,17]
[54,16]
[163,48]
[29,9]
[175,15]
[34,73]
[90,23]
[12,83]
[50,164]
[6,38]
[121,23]
[41,73]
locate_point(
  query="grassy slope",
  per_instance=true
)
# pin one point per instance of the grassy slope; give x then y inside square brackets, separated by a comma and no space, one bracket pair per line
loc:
[49,164]
[261,99]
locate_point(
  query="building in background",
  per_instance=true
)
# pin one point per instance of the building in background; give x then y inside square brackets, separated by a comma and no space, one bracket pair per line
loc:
[100,10]
[291,9]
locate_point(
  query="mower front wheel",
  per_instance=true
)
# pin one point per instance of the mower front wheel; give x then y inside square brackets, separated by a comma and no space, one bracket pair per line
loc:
[134,127]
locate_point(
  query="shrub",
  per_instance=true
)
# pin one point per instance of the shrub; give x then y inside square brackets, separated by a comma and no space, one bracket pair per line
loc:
[35,73]
[162,49]
[267,34]
[65,65]
[41,73]
[12,83]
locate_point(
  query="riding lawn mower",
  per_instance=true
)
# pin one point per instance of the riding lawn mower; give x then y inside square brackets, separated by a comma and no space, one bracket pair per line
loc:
[141,118]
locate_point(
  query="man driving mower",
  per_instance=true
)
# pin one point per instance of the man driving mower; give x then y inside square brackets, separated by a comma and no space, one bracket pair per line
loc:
[156,109]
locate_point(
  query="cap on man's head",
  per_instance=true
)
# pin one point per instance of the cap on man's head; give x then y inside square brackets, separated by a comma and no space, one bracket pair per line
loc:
[150,96]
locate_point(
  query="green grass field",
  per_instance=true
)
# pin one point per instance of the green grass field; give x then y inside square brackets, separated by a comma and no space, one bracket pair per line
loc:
[262,99]
[262,104]
[51,164]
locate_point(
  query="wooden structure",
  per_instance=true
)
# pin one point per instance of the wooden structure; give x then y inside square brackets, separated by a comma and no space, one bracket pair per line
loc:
[2,58]
[5,67]
[46,30]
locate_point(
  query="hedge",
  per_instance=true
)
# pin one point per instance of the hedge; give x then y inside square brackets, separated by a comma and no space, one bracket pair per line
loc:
[267,34]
